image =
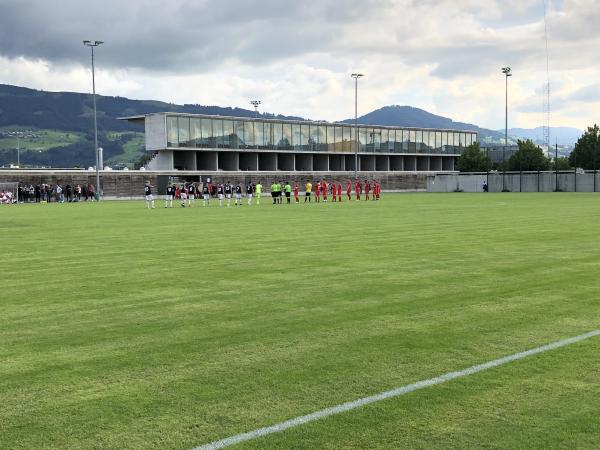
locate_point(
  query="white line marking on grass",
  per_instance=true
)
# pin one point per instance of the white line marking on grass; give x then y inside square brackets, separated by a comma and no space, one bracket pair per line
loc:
[301,420]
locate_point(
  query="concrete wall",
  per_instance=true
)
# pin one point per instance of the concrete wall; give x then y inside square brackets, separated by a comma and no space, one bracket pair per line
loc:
[155,132]
[321,162]
[336,163]
[267,161]
[515,182]
[286,162]
[382,163]
[207,161]
[304,162]
[128,184]
[184,160]
[396,163]
[366,162]
[350,163]
[229,161]
[249,161]
[161,161]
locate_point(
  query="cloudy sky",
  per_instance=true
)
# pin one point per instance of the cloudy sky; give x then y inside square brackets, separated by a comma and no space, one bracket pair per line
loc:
[297,56]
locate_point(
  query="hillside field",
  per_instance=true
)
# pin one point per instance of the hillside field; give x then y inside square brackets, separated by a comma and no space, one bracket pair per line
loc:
[129,328]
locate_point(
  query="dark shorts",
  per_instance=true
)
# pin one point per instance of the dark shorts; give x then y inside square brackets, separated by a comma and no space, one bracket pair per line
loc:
[287,194]
[308,194]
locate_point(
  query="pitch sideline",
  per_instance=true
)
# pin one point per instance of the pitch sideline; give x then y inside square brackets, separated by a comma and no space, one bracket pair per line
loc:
[301,420]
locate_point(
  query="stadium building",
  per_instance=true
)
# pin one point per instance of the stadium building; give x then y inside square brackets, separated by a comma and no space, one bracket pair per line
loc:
[204,143]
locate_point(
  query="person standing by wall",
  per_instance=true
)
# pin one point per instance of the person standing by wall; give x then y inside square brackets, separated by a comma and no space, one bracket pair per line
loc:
[288,191]
[258,192]
[308,191]
[148,194]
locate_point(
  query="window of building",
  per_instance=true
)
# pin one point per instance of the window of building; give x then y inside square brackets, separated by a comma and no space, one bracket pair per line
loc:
[172,132]
[228,135]
[195,132]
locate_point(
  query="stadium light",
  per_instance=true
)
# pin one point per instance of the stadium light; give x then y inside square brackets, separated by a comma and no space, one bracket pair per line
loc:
[256,104]
[507,71]
[91,45]
[356,76]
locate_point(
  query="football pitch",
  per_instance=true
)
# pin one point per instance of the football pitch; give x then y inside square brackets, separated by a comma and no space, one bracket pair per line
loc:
[128,328]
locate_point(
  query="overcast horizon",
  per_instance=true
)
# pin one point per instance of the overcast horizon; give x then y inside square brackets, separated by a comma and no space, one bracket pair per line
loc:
[296,57]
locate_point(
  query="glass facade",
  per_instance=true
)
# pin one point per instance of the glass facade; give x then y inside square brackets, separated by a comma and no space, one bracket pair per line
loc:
[248,134]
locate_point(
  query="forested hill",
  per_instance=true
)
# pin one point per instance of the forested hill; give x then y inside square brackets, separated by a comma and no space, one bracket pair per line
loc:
[74,111]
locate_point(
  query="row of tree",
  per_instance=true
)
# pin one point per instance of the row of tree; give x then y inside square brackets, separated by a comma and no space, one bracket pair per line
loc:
[530,157]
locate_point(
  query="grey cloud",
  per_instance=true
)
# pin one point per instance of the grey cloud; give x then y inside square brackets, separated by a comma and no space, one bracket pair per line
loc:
[188,36]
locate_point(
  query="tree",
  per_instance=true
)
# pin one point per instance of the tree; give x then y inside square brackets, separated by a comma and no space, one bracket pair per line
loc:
[473,160]
[528,157]
[561,164]
[587,150]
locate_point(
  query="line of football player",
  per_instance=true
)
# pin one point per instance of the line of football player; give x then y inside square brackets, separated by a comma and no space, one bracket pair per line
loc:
[186,193]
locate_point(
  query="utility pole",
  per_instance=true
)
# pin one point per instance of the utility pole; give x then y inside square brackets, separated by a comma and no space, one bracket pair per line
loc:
[91,45]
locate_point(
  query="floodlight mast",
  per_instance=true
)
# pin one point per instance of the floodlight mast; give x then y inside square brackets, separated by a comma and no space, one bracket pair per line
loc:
[356,76]
[91,45]
[507,71]
[256,104]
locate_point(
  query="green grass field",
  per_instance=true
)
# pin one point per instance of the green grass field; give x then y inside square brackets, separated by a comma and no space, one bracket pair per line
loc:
[128,328]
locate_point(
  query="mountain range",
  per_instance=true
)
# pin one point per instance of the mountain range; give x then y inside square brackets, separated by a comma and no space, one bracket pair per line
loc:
[67,117]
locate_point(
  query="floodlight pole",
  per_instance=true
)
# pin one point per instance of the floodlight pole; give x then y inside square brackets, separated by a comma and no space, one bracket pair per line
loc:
[256,104]
[507,72]
[18,151]
[356,76]
[91,45]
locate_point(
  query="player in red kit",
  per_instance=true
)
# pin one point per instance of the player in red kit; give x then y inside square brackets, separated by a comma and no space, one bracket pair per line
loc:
[296,193]
[318,192]
[339,192]
[332,186]
[358,190]
[367,189]
[376,190]
[349,190]
[325,190]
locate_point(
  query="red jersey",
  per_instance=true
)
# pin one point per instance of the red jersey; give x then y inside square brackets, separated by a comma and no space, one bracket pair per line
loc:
[324,188]
[358,187]
[318,188]
[367,187]
[349,187]
[296,191]
[339,189]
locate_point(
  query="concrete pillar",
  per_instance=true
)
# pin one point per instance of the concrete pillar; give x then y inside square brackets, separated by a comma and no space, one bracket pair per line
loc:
[162,161]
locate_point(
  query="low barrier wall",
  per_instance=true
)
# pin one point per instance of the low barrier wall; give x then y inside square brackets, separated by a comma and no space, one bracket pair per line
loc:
[562,181]
[129,184]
